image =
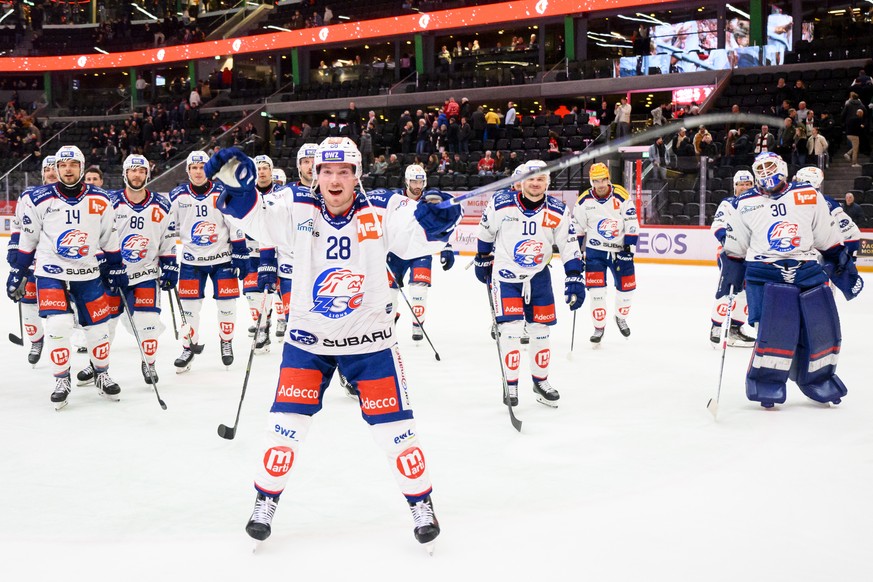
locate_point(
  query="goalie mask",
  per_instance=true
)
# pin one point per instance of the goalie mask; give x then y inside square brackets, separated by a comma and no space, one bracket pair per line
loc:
[770,170]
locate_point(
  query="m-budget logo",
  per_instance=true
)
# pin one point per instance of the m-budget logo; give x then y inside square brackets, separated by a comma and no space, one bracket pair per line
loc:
[96,206]
[226,327]
[623,310]
[150,347]
[60,356]
[379,396]
[278,460]
[513,359]
[30,330]
[101,352]
[803,197]
[543,357]
[410,463]
[599,314]
[299,386]
[418,310]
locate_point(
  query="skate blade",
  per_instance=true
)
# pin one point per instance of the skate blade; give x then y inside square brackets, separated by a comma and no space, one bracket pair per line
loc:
[60,405]
[85,382]
[549,403]
[740,344]
[183,370]
[595,345]
[110,397]
[429,548]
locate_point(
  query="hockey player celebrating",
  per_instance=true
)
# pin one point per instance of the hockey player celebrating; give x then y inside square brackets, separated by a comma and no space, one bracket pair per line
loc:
[31,320]
[148,249]
[419,268]
[516,236]
[211,248]
[338,315]
[774,236]
[255,283]
[63,228]
[608,229]
[739,310]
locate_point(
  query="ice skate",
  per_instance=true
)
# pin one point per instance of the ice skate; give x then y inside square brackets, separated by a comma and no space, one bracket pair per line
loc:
[196,348]
[86,376]
[35,352]
[417,334]
[61,391]
[427,527]
[715,335]
[106,386]
[545,393]
[263,341]
[511,399]
[737,339]
[281,326]
[183,362]
[258,526]
[596,337]
[622,326]
[226,352]
[252,330]
[351,391]
[81,350]
[145,368]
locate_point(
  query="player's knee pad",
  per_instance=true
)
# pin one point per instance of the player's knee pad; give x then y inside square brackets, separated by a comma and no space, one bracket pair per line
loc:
[285,435]
[539,350]
[58,331]
[32,321]
[815,364]
[597,301]
[226,319]
[97,340]
[399,440]
[623,301]
[778,334]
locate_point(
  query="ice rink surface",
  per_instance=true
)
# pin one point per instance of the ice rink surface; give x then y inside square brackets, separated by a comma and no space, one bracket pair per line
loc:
[630,479]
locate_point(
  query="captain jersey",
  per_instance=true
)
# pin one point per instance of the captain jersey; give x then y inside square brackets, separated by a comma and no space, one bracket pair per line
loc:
[205,232]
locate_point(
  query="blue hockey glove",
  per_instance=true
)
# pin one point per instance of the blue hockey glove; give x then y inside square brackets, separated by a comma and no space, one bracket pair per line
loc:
[574,290]
[483,265]
[852,248]
[237,172]
[626,253]
[842,272]
[447,258]
[114,271]
[268,271]
[169,273]
[733,274]
[438,223]
[12,248]
[16,282]
[239,258]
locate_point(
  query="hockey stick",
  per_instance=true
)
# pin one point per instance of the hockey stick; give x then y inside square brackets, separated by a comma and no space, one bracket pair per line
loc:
[516,423]
[173,313]
[18,340]
[227,432]
[189,333]
[712,405]
[572,337]
[142,355]
[647,136]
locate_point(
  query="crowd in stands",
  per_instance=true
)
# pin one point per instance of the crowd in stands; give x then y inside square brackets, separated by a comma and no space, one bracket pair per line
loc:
[20,132]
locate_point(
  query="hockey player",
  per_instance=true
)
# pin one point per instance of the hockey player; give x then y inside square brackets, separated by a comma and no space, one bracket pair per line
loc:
[774,236]
[850,231]
[63,228]
[419,268]
[339,319]
[739,310]
[256,283]
[516,236]
[31,320]
[211,248]
[148,249]
[608,229]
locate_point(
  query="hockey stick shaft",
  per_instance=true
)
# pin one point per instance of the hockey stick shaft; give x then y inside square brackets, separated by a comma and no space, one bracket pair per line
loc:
[142,355]
[573,333]
[516,423]
[224,431]
[18,340]
[712,405]
[188,334]
[418,322]
[173,313]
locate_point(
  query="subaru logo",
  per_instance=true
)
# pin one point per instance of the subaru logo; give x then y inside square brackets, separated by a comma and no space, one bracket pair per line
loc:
[302,337]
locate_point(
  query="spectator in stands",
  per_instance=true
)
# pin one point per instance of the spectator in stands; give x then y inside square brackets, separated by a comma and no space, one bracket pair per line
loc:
[686,157]
[439,137]
[698,138]
[194,99]
[512,163]
[499,163]
[658,115]
[451,107]
[800,113]
[486,164]
[445,164]
[432,165]
[509,121]
[466,108]
[623,118]
[817,146]
[799,146]
[659,155]
[327,18]
[478,122]
[111,154]
[94,175]
[708,150]
[394,167]
[855,212]
[422,143]
[852,104]
[785,139]
[366,148]
[465,133]
[554,146]
[452,133]
[444,58]
[380,166]
[765,142]
[782,92]
[606,116]
[809,121]
[798,92]
[492,124]
[474,49]
[458,51]
[407,136]
[855,127]
[353,119]
[458,166]
[729,143]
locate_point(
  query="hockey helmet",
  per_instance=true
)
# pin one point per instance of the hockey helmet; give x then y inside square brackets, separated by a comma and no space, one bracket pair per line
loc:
[338,150]
[532,166]
[810,174]
[135,161]
[262,159]
[48,161]
[72,154]
[598,171]
[307,150]
[414,172]
[743,176]
[196,157]
[279,176]
[770,171]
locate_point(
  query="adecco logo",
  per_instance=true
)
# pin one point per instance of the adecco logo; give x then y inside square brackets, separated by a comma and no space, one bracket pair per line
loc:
[662,243]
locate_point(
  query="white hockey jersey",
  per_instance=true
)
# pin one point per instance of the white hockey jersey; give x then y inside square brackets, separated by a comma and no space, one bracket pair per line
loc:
[722,216]
[283,195]
[205,232]
[604,222]
[341,302]
[67,234]
[144,234]
[523,239]
[19,208]
[847,226]
[791,225]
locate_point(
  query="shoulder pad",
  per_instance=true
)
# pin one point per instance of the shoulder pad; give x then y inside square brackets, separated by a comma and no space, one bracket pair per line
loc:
[583,196]
[161,201]
[95,191]
[114,197]
[377,198]
[832,204]
[296,188]
[555,204]
[620,192]
[504,198]
[27,191]
[304,195]
[40,194]
[217,187]
[177,191]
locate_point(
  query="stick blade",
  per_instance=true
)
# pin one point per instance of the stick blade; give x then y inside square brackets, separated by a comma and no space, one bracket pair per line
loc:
[516,424]
[226,432]
[712,407]
[16,340]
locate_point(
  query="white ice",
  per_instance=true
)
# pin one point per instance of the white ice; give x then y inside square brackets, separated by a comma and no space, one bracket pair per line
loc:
[629,480]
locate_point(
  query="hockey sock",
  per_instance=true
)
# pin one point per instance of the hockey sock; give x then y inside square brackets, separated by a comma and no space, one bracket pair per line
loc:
[226,318]
[192,309]
[280,308]
[113,325]
[58,331]
[719,310]
[740,312]
[285,435]
[149,326]
[597,299]
[399,440]
[623,303]
[509,336]
[418,299]
[255,301]
[32,321]
[539,350]
[97,339]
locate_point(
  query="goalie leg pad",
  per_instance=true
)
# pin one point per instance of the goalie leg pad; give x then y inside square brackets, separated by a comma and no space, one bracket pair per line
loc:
[778,334]
[285,435]
[815,363]
[399,441]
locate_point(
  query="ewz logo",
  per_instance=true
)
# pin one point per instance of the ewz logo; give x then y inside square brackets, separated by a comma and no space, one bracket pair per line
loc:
[661,243]
[333,156]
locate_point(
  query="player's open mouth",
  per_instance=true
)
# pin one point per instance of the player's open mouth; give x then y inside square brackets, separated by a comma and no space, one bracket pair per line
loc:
[337,192]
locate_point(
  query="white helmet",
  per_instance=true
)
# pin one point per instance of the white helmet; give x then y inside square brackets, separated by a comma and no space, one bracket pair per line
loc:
[743,176]
[307,150]
[812,175]
[262,159]
[414,172]
[72,153]
[135,161]
[340,150]
[48,161]
[279,176]
[770,171]
[532,166]
[196,157]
